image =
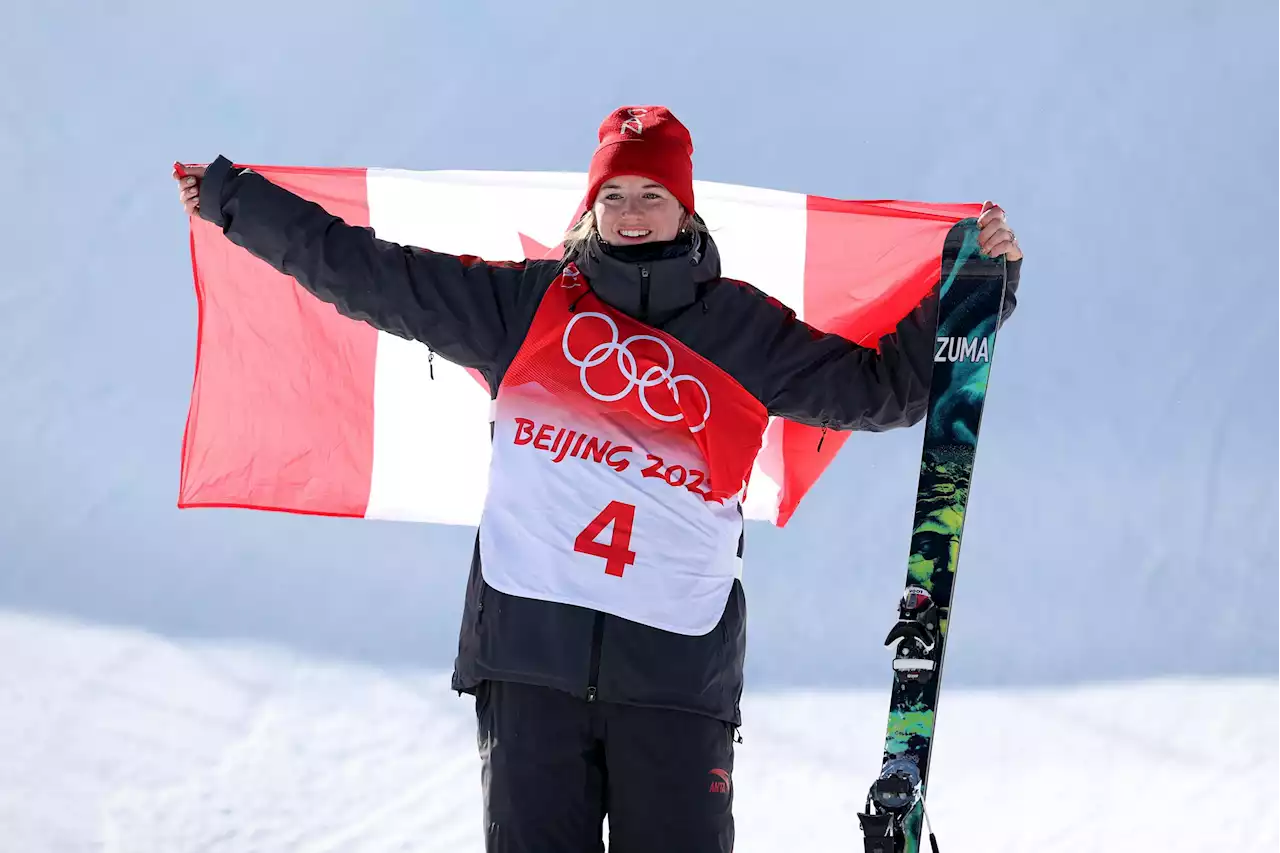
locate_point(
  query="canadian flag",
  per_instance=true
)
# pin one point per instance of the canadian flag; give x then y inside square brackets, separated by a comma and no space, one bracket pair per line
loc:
[296,408]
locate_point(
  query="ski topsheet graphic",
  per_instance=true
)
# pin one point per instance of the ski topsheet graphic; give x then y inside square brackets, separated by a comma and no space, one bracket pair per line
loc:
[971,299]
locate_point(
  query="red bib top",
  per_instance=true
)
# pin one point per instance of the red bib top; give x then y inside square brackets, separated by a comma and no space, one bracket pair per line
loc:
[619,460]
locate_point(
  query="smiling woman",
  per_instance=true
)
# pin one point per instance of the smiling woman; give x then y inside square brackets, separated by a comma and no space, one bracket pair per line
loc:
[603,630]
[634,209]
[617,219]
[640,185]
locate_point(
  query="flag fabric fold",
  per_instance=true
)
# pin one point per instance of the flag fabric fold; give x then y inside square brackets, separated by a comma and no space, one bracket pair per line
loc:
[296,408]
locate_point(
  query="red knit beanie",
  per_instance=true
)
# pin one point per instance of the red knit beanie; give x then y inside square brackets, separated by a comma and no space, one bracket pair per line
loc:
[645,141]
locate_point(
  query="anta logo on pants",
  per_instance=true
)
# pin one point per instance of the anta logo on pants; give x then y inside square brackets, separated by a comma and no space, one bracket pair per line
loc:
[720,784]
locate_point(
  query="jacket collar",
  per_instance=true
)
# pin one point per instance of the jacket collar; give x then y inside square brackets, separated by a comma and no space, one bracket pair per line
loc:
[652,291]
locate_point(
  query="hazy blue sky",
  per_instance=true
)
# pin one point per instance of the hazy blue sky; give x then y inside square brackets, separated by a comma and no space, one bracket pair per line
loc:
[1124,518]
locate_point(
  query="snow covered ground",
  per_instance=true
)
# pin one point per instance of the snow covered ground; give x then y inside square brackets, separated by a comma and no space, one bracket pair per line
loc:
[236,682]
[125,742]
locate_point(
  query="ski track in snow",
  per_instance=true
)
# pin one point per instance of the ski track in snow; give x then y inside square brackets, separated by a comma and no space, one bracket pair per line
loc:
[124,742]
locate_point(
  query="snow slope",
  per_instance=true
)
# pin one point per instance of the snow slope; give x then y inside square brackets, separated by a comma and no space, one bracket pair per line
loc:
[235,681]
[125,742]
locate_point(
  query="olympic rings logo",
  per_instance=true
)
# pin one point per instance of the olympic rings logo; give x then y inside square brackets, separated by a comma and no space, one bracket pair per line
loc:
[655,375]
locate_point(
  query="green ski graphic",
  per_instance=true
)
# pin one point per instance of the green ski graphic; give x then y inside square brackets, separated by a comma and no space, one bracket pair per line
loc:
[971,299]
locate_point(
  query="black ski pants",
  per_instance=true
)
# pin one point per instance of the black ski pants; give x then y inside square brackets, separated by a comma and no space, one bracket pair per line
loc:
[554,765]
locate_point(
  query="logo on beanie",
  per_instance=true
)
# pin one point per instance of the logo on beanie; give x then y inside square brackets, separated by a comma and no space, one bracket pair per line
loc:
[647,141]
[634,124]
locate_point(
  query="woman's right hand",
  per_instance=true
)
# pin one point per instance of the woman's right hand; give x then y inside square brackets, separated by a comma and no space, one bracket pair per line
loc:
[189,188]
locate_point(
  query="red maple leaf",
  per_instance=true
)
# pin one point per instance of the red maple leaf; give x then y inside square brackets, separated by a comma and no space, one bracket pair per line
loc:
[536,251]
[533,250]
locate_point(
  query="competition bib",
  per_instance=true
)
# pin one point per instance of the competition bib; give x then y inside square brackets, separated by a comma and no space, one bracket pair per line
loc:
[619,459]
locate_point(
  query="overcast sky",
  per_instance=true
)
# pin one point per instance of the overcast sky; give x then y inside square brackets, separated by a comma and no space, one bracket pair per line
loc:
[1124,516]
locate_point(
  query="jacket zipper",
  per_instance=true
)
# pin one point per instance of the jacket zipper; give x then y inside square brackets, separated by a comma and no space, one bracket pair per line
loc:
[597,638]
[597,630]
[644,294]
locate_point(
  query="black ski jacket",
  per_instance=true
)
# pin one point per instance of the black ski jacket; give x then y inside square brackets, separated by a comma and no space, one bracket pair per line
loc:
[476,313]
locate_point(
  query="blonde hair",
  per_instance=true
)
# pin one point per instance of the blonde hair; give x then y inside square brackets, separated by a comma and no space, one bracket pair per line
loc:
[576,238]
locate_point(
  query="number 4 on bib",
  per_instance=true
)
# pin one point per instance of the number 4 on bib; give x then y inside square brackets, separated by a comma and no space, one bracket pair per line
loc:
[617,554]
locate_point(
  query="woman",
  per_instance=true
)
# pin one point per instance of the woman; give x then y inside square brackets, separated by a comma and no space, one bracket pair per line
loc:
[603,632]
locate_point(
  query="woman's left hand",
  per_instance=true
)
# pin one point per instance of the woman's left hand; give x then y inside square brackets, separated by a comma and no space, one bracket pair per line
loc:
[995,237]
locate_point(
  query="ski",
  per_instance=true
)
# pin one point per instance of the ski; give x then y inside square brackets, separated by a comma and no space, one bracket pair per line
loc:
[971,299]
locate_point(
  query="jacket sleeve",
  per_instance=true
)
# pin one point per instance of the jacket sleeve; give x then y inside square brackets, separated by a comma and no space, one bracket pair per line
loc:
[825,380]
[461,307]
